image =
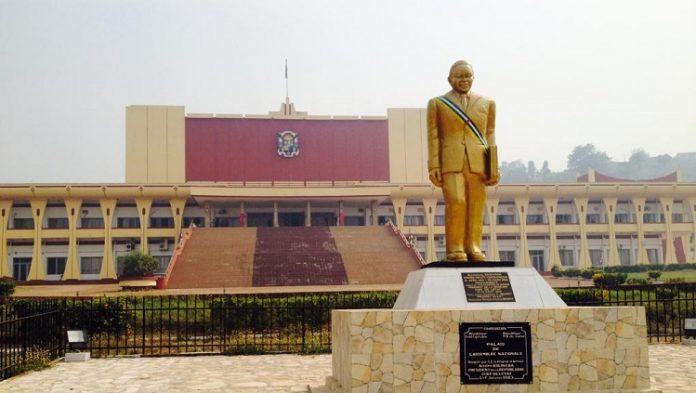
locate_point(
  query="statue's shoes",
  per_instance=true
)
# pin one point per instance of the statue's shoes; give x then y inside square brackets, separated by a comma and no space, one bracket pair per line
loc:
[457,257]
[476,256]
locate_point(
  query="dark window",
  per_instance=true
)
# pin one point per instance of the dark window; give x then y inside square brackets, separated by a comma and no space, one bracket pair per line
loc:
[414,220]
[225,222]
[58,223]
[55,265]
[198,221]
[163,262]
[440,220]
[96,223]
[651,218]
[128,222]
[90,265]
[535,219]
[677,217]
[622,218]
[161,222]
[594,219]
[354,221]
[564,219]
[23,223]
[506,219]
[382,220]
[20,268]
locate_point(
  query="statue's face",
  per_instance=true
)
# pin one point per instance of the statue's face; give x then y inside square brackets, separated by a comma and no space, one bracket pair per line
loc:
[461,78]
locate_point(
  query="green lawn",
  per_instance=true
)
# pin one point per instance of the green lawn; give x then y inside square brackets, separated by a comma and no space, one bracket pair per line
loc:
[689,275]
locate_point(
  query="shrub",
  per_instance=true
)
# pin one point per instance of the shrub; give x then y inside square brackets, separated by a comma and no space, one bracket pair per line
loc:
[7,286]
[571,272]
[639,281]
[135,263]
[556,271]
[580,295]
[602,280]
[588,273]
[675,280]
[654,274]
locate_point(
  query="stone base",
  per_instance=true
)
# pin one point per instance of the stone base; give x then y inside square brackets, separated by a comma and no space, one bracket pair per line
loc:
[77,356]
[574,349]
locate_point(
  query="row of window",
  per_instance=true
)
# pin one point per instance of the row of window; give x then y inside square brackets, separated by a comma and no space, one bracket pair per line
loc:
[538,219]
[88,265]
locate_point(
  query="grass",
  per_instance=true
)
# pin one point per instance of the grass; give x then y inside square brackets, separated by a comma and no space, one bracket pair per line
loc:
[688,275]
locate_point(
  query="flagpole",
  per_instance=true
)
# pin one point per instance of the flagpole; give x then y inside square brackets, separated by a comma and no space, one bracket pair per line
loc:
[287,95]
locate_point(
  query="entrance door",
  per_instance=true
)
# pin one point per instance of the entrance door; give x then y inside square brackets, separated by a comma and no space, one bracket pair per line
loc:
[260,220]
[20,268]
[323,219]
[537,257]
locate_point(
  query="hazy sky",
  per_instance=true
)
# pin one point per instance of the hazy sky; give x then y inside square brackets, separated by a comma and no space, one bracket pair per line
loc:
[620,74]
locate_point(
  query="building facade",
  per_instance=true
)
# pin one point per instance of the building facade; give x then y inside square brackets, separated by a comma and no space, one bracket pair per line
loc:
[291,169]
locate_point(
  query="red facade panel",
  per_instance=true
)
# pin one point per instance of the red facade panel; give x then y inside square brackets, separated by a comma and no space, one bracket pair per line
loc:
[222,150]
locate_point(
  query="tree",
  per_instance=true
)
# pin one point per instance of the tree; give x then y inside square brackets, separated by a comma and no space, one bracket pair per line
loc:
[545,170]
[531,171]
[587,156]
[136,264]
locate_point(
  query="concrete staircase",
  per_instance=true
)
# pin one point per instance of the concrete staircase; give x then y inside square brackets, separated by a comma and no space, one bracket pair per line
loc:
[215,258]
[291,256]
[373,255]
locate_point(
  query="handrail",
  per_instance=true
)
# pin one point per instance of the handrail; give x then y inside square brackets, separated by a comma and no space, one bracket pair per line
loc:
[164,281]
[410,247]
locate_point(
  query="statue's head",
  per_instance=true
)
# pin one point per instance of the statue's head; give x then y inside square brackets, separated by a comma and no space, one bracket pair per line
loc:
[461,76]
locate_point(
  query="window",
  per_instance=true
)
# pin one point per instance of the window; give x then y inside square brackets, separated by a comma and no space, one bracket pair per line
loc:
[622,218]
[537,258]
[198,221]
[414,220]
[354,221]
[20,268]
[440,220]
[55,265]
[506,219]
[567,257]
[653,256]
[564,219]
[625,256]
[128,222]
[161,222]
[507,256]
[57,223]
[90,265]
[535,219]
[225,222]
[97,223]
[597,257]
[162,263]
[594,218]
[677,217]
[650,218]
[440,255]
[23,223]
[382,220]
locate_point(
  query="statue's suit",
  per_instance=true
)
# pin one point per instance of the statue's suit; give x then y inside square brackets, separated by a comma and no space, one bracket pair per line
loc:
[461,158]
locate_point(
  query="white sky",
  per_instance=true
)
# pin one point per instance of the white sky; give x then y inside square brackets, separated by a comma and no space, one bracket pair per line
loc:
[620,74]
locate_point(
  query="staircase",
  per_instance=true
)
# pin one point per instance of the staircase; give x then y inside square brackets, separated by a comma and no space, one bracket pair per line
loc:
[215,258]
[291,256]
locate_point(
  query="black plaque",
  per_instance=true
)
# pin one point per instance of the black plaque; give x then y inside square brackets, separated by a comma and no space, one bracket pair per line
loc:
[495,353]
[487,287]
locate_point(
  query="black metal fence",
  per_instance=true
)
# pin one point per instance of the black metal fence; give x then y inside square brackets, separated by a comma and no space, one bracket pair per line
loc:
[31,334]
[247,324]
[666,305]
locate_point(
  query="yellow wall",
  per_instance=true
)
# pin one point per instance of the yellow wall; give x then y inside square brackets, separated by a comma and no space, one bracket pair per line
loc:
[155,144]
[408,147]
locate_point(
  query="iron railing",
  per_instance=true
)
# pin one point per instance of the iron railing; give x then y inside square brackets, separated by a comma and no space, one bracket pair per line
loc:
[666,305]
[31,335]
[260,323]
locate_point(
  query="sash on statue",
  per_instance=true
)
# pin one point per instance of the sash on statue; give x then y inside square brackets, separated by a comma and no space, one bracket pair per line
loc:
[459,112]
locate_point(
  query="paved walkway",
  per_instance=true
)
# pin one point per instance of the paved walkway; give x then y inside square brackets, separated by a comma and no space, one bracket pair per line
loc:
[673,369]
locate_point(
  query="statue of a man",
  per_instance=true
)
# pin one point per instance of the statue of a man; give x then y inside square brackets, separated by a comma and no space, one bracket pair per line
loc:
[462,159]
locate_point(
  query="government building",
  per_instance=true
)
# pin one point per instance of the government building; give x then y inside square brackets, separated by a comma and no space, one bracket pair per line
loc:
[291,169]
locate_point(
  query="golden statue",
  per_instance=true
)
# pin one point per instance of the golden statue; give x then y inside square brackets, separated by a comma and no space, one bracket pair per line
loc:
[462,159]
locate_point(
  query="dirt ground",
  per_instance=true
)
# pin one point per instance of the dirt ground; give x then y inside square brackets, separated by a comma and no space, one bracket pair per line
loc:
[115,290]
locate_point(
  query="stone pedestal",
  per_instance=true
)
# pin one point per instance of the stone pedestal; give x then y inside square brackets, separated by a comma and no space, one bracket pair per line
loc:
[574,349]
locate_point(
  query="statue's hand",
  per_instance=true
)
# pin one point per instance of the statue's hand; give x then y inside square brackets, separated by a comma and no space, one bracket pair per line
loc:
[493,180]
[436,176]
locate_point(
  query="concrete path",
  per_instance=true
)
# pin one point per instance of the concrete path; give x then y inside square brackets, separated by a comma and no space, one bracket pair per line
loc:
[673,369]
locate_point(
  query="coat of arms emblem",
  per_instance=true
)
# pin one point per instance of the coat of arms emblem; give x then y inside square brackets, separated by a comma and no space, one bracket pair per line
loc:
[288,144]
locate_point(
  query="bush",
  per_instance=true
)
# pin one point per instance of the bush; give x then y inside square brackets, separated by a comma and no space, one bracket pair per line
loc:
[137,264]
[7,286]
[675,280]
[639,281]
[654,274]
[576,296]
[556,271]
[571,272]
[602,280]
[588,273]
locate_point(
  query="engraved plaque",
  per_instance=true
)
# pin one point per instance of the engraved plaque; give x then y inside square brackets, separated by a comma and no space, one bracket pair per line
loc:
[487,287]
[495,353]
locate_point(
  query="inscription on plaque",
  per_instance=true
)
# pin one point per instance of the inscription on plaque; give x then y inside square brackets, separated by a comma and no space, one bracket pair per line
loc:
[495,353]
[487,287]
